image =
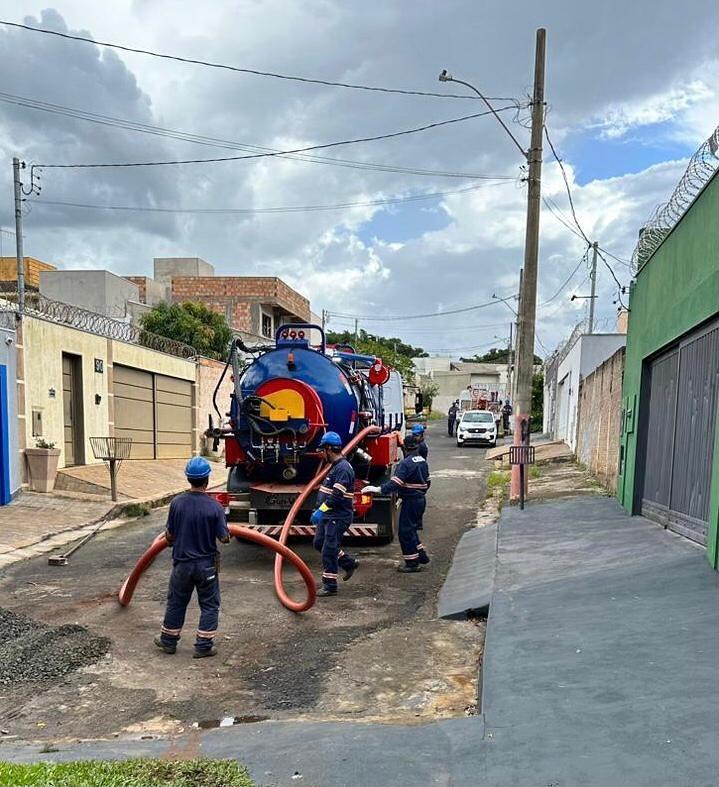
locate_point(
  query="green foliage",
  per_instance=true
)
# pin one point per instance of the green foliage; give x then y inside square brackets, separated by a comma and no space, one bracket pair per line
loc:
[41,442]
[127,773]
[191,323]
[393,352]
[498,479]
[429,390]
[537,402]
[534,471]
[495,355]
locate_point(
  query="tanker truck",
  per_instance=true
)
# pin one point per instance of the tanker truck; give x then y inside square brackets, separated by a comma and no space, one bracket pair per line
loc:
[285,397]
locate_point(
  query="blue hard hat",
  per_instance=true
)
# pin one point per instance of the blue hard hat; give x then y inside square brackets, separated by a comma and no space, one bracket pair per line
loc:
[197,468]
[332,439]
[418,429]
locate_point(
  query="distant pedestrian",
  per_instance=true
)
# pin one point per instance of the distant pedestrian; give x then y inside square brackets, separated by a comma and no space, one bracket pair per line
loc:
[411,482]
[452,417]
[195,523]
[506,413]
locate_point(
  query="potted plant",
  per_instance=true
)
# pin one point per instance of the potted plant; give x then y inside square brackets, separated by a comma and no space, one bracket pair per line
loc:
[42,462]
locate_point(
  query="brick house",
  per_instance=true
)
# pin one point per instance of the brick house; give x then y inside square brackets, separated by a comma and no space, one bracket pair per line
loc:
[254,306]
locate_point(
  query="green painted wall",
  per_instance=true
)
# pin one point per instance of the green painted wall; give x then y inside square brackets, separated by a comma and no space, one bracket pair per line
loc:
[676,290]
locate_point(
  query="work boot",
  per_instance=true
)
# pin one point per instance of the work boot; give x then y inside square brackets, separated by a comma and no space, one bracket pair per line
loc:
[408,569]
[324,591]
[423,558]
[164,647]
[349,571]
[203,653]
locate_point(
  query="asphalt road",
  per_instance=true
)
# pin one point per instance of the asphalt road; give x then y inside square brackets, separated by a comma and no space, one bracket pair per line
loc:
[374,652]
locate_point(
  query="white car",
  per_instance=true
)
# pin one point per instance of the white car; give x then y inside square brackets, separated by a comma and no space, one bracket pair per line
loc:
[477,426]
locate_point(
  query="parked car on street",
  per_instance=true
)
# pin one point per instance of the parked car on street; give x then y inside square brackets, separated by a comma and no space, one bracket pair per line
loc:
[477,426]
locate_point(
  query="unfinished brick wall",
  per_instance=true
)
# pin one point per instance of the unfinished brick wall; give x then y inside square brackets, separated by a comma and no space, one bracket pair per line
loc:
[141,282]
[239,297]
[600,419]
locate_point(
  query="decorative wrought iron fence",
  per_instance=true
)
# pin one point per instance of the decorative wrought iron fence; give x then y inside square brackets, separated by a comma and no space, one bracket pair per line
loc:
[37,305]
[702,165]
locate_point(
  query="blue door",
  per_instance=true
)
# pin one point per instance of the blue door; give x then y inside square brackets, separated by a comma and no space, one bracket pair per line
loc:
[5,427]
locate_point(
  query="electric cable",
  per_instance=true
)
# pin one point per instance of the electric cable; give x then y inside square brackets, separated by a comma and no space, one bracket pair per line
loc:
[569,278]
[323,146]
[566,184]
[199,139]
[238,69]
[366,318]
[262,211]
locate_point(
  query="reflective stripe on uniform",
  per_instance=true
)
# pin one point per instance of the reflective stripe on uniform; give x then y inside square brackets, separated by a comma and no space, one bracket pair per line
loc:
[171,632]
[206,634]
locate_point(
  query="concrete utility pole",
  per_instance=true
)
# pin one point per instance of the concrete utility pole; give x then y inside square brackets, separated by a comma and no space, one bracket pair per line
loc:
[356,331]
[510,361]
[593,296]
[528,303]
[16,166]
[528,298]
[324,319]
[516,338]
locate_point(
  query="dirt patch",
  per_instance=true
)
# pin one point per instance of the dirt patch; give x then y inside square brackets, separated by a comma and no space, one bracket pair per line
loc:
[32,652]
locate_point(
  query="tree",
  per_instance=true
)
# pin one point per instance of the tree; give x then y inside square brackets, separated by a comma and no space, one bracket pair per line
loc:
[537,402]
[429,390]
[495,355]
[394,352]
[191,323]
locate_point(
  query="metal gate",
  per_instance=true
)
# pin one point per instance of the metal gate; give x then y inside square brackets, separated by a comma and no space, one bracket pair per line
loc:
[155,411]
[677,437]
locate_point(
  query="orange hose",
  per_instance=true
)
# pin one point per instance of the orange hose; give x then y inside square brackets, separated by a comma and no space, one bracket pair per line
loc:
[282,594]
[278,546]
[160,543]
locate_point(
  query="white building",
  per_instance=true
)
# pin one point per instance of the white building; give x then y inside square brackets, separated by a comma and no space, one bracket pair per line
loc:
[573,361]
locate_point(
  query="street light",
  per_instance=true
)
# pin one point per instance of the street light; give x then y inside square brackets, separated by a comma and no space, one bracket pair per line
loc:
[445,76]
[528,300]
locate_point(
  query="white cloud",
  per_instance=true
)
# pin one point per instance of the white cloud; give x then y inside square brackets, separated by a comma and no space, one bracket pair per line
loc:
[603,74]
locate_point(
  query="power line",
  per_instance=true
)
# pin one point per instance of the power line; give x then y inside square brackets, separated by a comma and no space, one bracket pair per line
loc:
[349,326]
[569,278]
[368,317]
[306,149]
[277,209]
[241,70]
[198,139]
[620,287]
[618,259]
[566,184]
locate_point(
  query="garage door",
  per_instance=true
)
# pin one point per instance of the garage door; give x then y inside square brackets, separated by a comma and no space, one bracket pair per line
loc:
[155,411]
[677,437]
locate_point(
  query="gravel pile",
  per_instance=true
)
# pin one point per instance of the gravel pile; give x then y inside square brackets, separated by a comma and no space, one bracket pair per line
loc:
[32,652]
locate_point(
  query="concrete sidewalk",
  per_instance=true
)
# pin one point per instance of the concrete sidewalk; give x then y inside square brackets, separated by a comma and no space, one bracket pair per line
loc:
[35,523]
[600,669]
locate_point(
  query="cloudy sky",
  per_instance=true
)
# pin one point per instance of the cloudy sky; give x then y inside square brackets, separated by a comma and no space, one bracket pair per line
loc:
[631,91]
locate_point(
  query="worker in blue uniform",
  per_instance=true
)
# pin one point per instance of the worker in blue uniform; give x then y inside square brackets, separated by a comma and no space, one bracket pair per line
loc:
[195,523]
[418,431]
[333,515]
[411,482]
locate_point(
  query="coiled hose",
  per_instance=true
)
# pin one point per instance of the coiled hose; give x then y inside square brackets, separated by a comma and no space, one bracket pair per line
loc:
[279,546]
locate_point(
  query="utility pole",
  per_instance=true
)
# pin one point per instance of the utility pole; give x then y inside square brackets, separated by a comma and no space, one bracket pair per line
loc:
[516,338]
[16,166]
[356,331]
[510,361]
[593,277]
[324,319]
[528,301]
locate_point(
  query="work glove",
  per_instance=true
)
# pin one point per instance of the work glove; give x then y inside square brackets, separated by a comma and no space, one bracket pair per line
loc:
[371,490]
[316,517]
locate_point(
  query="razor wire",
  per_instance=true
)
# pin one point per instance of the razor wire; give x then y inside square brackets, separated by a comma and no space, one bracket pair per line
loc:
[702,166]
[37,305]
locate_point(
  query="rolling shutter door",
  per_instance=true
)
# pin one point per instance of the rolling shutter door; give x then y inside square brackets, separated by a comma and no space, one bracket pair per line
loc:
[133,390]
[678,440]
[155,411]
[173,417]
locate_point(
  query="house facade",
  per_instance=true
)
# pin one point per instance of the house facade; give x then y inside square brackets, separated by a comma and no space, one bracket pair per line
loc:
[669,453]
